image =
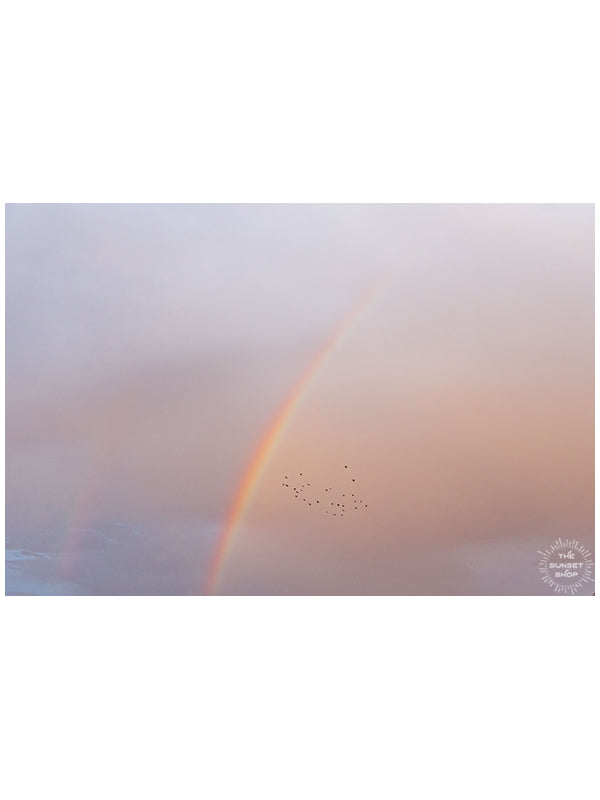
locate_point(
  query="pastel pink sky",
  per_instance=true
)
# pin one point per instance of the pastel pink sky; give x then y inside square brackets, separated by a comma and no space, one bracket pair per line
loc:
[149,347]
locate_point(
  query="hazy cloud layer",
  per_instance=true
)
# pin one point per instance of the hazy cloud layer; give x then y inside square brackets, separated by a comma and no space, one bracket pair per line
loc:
[148,347]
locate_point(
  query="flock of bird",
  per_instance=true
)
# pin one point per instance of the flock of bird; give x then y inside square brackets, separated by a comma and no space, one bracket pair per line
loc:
[332,500]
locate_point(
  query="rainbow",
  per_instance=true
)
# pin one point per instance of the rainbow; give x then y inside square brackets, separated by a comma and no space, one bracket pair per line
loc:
[101,453]
[271,437]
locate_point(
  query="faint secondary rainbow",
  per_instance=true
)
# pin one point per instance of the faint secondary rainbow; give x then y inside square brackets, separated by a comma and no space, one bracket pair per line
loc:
[94,474]
[271,437]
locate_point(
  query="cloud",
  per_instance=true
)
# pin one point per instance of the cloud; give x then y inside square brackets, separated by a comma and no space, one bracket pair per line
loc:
[148,348]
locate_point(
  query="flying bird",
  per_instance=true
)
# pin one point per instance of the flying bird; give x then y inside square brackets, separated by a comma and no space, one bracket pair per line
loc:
[341,505]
